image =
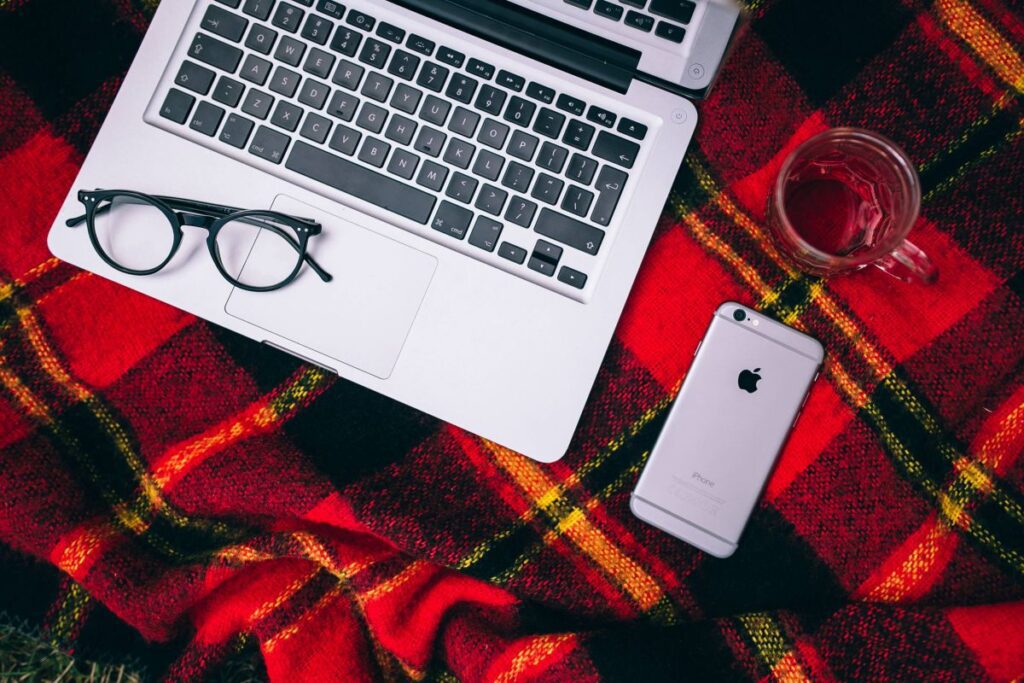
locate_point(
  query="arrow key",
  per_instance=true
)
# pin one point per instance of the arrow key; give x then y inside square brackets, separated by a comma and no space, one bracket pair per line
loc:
[573,278]
[617,150]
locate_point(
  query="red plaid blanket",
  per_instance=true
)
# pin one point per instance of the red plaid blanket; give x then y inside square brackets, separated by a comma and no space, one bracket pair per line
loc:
[179,497]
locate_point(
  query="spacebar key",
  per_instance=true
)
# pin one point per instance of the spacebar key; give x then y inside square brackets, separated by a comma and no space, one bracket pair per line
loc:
[359,182]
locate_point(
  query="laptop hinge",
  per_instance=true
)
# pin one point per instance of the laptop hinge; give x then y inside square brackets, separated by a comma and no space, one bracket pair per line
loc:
[532,34]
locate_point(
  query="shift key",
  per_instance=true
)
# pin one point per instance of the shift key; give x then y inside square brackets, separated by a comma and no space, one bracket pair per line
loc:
[215,53]
[569,231]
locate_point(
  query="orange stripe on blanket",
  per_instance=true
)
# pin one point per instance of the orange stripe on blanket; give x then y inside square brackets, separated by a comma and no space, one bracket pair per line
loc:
[976,31]
[527,658]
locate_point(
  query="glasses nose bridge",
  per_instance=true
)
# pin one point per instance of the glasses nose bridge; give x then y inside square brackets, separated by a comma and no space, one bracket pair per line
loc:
[195,220]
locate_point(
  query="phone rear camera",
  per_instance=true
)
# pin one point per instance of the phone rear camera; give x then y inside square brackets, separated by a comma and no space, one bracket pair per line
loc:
[739,315]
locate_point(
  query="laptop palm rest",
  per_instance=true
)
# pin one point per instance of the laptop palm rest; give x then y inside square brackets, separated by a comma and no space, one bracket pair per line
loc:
[363,316]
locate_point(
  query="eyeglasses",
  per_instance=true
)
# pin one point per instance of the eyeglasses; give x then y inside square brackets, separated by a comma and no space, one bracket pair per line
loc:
[139,234]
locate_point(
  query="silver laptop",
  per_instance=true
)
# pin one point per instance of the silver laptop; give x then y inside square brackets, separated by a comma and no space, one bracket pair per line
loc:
[487,175]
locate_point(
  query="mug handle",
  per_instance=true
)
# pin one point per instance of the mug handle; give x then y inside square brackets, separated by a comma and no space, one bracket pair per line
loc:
[908,263]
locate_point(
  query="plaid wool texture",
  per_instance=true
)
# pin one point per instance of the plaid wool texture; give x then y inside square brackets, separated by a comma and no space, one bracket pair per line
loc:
[178,497]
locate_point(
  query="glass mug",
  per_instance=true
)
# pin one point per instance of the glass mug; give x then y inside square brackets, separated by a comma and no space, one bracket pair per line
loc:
[846,199]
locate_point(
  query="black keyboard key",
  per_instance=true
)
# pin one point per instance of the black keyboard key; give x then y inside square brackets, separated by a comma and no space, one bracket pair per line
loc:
[582,169]
[286,116]
[578,201]
[639,4]
[225,24]
[615,149]
[582,4]
[290,51]
[317,29]
[549,123]
[610,183]
[177,106]
[374,152]
[671,32]
[432,77]
[459,153]
[288,17]
[601,116]
[493,134]
[637,131]
[258,104]
[573,278]
[403,164]
[345,140]
[451,57]
[435,110]
[462,187]
[314,94]
[432,176]
[464,122]
[547,251]
[406,98]
[430,141]
[571,105]
[491,100]
[486,233]
[258,8]
[452,220]
[215,52]
[641,21]
[481,69]
[569,231]
[548,189]
[518,177]
[541,92]
[607,9]
[523,146]
[401,129]
[228,91]
[512,252]
[194,77]
[521,212]
[511,81]
[679,10]
[236,131]
[491,200]
[233,4]
[579,135]
[403,64]
[285,81]
[372,118]
[377,87]
[348,75]
[552,157]
[488,165]
[269,144]
[255,69]
[461,89]
[375,53]
[261,39]
[360,20]
[390,32]
[541,266]
[420,44]
[330,8]
[370,186]
[342,105]
[316,128]
[520,111]
[346,41]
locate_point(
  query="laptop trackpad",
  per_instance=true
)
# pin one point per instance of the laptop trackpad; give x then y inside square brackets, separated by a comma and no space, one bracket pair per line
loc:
[363,316]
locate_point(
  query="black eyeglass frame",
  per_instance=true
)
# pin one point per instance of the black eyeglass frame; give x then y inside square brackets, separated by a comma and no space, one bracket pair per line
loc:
[211,217]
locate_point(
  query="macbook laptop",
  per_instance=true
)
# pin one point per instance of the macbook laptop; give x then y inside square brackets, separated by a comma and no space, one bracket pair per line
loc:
[487,175]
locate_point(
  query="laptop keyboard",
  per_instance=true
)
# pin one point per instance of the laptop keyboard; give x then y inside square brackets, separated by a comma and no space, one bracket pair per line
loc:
[504,169]
[638,14]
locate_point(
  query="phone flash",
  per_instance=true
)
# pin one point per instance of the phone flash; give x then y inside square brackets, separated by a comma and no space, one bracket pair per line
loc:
[755,322]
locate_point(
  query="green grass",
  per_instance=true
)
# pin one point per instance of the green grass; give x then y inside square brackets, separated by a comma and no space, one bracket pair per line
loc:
[24,658]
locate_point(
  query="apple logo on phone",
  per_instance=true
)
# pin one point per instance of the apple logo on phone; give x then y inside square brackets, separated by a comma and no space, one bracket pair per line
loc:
[748,380]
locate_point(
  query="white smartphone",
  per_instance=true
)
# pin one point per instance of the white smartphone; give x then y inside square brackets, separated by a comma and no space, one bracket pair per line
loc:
[749,380]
